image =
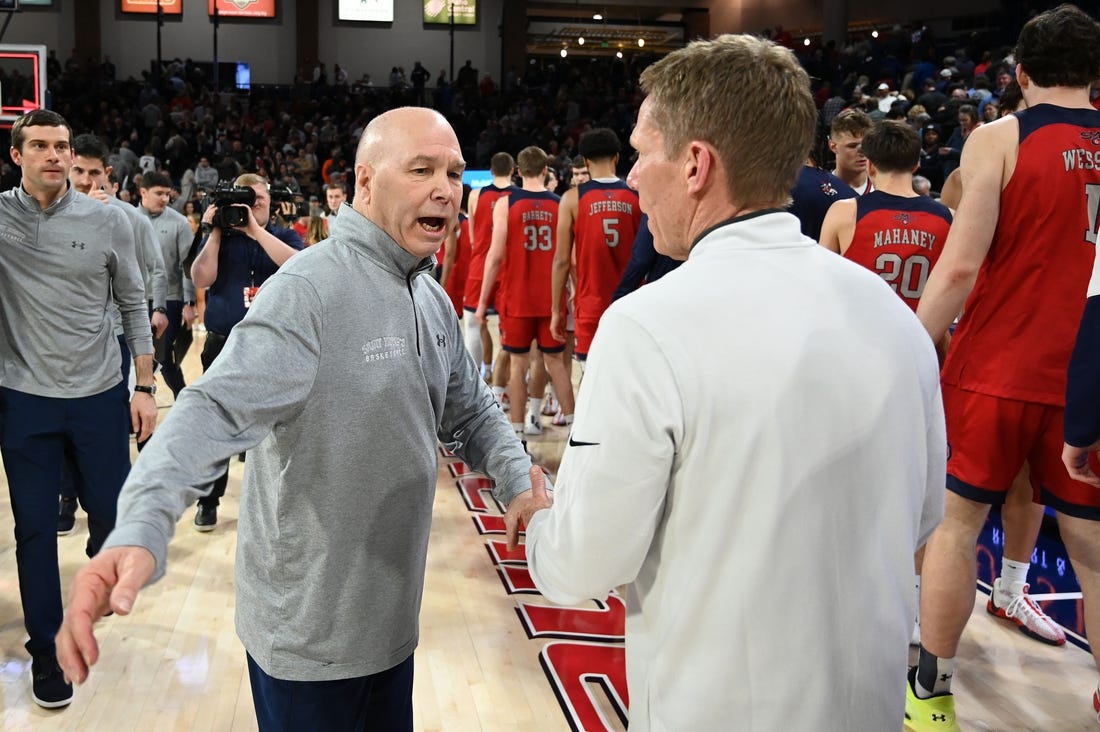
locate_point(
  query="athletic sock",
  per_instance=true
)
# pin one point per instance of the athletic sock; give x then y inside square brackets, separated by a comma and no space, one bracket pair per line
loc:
[486,370]
[1013,579]
[934,674]
[498,392]
[518,427]
[534,408]
[568,418]
[472,339]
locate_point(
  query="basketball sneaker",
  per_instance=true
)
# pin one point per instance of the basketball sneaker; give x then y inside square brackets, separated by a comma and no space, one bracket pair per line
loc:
[559,419]
[533,425]
[550,405]
[206,518]
[1096,704]
[934,714]
[66,516]
[48,686]
[505,402]
[1027,615]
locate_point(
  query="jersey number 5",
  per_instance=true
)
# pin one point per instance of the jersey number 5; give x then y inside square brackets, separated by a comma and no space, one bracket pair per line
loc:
[611,234]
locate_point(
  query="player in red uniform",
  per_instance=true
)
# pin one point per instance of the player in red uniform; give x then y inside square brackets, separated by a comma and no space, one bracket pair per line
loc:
[1019,255]
[457,250]
[478,341]
[1021,518]
[597,223]
[891,230]
[523,243]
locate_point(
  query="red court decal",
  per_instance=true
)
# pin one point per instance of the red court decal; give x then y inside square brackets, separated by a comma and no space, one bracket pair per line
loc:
[500,553]
[587,671]
[571,666]
[517,580]
[606,623]
[489,524]
[477,492]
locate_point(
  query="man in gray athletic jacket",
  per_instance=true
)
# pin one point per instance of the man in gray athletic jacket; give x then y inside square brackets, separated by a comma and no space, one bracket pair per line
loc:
[64,259]
[174,239]
[346,370]
[89,175]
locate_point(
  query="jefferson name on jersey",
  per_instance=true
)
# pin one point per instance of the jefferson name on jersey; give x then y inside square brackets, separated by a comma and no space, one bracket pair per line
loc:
[610,206]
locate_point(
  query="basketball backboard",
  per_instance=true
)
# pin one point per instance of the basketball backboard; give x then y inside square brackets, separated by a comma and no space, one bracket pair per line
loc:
[22,81]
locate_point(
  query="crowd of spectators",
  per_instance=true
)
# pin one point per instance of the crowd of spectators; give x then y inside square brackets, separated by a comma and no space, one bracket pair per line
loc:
[303,135]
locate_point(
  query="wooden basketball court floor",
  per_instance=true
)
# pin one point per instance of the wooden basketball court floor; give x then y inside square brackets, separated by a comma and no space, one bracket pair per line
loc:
[176,663]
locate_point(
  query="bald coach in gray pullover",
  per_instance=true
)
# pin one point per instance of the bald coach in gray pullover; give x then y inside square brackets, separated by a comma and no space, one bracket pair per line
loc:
[348,368]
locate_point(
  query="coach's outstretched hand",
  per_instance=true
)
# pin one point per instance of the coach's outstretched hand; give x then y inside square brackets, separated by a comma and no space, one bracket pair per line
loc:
[110,581]
[524,506]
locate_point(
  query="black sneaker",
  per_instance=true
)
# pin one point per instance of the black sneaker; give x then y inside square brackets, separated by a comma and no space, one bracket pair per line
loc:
[48,685]
[66,516]
[206,518]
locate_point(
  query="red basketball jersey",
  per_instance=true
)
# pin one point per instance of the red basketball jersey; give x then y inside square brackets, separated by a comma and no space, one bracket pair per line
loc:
[900,239]
[1018,328]
[608,216]
[481,239]
[525,278]
[456,285]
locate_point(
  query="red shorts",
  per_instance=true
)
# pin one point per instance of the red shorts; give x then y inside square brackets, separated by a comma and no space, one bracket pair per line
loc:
[988,440]
[516,335]
[586,331]
[473,294]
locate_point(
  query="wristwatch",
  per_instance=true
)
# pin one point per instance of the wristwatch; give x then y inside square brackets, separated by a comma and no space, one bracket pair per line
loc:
[150,390]
[190,303]
[160,310]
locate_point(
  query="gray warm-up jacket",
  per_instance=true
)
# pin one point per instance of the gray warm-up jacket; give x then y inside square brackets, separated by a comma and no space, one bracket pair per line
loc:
[61,271]
[149,258]
[346,370]
[174,239]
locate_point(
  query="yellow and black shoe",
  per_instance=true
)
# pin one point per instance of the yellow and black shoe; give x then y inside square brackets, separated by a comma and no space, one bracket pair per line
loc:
[934,714]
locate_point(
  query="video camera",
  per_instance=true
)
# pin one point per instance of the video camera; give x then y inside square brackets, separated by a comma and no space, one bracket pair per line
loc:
[287,204]
[233,203]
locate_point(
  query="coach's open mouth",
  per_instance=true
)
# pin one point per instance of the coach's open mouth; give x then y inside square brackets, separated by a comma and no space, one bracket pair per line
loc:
[433,224]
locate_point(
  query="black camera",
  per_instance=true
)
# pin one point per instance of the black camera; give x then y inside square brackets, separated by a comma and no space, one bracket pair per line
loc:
[233,203]
[287,204]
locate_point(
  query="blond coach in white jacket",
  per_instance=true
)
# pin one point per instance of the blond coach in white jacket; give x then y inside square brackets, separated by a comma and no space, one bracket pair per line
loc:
[759,443]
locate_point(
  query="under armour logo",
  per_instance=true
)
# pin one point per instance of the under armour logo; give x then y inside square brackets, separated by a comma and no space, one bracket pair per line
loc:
[939,717]
[78,245]
[441,341]
[945,677]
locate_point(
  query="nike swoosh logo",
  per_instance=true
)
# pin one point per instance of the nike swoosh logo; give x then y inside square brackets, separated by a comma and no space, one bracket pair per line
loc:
[574,443]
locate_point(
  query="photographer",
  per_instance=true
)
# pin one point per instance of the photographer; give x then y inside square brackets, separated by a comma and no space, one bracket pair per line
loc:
[288,208]
[233,261]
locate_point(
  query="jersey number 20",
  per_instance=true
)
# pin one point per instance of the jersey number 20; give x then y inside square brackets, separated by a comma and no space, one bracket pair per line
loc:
[908,276]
